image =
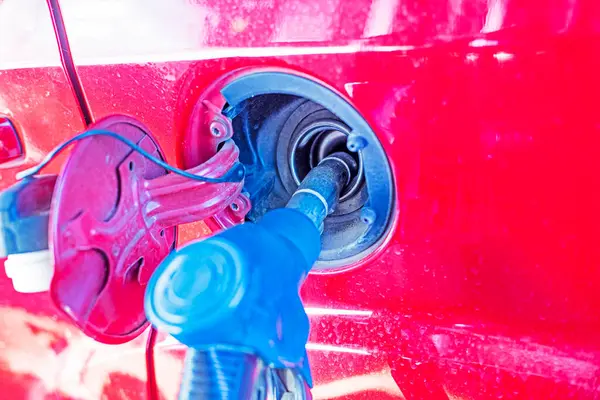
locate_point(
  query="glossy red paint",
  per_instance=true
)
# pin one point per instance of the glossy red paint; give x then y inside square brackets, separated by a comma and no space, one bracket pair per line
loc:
[487,286]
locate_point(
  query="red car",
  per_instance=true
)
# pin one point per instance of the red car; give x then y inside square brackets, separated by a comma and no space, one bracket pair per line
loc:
[479,278]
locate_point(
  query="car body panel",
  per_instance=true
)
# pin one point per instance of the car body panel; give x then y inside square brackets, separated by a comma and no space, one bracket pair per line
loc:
[486,286]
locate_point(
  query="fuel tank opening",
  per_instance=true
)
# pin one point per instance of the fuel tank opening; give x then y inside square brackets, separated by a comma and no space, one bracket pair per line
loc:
[284,125]
[318,140]
[309,134]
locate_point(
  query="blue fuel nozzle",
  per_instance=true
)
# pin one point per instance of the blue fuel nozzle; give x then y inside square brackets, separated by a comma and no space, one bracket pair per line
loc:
[240,288]
[24,216]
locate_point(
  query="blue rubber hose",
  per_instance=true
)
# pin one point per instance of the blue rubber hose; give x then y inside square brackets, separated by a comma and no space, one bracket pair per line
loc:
[218,374]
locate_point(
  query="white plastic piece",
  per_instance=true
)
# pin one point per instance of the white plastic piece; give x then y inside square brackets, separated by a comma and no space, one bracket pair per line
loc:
[30,272]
